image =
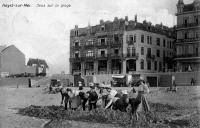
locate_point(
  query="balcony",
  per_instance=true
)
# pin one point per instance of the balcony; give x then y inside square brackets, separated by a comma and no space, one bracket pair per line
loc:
[88,58]
[187,25]
[133,55]
[131,42]
[115,44]
[149,56]
[75,59]
[187,55]
[76,47]
[102,56]
[91,46]
[102,45]
[188,40]
[115,56]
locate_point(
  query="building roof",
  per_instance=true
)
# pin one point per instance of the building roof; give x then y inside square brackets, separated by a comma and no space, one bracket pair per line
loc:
[192,6]
[2,48]
[38,62]
[127,25]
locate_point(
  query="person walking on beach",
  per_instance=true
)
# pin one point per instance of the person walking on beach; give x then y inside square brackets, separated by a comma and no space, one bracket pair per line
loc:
[192,82]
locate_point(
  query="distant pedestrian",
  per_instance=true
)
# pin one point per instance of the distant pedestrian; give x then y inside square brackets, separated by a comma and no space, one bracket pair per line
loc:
[192,82]
[29,82]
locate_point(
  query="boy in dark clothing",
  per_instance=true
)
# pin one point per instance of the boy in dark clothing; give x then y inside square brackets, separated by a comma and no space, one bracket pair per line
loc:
[122,103]
[92,98]
[83,97]
[65,97]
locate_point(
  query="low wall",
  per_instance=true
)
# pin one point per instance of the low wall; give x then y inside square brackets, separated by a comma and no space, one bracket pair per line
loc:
[22,81]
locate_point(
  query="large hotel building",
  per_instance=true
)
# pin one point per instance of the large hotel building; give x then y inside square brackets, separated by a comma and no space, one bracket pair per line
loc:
[188,36]
[121,47]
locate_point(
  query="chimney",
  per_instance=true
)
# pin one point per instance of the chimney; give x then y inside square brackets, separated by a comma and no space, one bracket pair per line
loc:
[101,21]
[136,18]
[126,18]
[76,26]
[116,19]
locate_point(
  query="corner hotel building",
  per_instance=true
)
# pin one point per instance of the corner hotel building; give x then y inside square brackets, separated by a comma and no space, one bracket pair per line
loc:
[121,46]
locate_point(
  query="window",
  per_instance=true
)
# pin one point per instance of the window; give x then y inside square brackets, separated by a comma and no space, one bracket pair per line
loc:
[142,50]
[116,38]
[76,43]
[142,64]
[142,38]
[103,53]
[164,41]
[102,28]
[134,37]
[116,51]
[160,66]
[128,51]
[149,65]
[89,54]
[76,32]
[89,42]
[76,54]
[131,38]
[103,41]
[158,41]
[185,22]
[158,53]
[196,20]
[133,51]
[149,51]
[163,53]
[155,65]
[148,40]
[186,35]
[167,44]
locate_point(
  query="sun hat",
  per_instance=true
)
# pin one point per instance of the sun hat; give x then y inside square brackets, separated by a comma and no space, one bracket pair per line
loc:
[125,92]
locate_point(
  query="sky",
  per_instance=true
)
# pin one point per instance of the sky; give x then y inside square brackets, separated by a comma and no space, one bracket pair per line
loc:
[44,32]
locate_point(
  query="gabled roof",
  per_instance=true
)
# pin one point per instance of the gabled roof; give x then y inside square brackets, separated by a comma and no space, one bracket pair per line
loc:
[2,48]
[38,62]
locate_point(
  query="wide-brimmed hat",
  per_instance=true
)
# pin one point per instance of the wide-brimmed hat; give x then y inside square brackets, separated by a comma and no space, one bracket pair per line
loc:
[125,92]
[91,85]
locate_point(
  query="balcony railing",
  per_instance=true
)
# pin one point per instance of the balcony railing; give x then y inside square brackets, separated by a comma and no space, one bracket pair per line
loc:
[102,56]
[132,55]
[118,43]
[188,40]
[75,59]
[115,55]
[187,55]
[131,42]
[188,25]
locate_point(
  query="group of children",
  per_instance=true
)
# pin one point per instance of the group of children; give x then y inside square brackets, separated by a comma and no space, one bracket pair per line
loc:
[106,97]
